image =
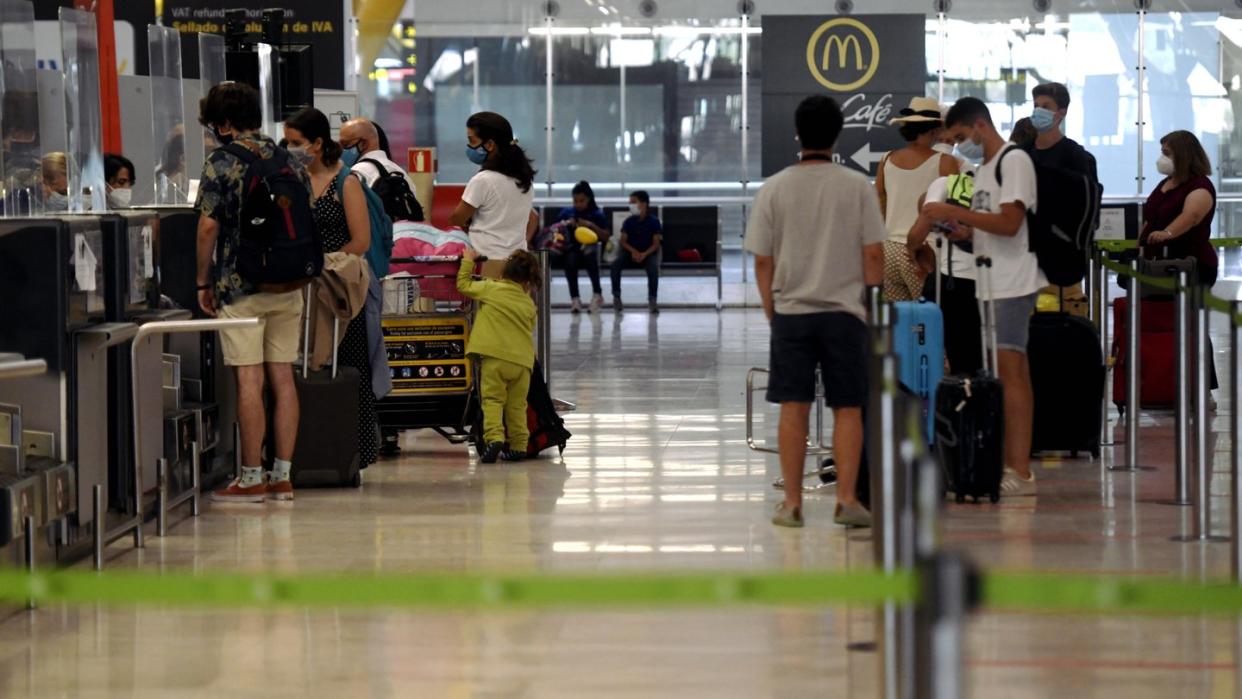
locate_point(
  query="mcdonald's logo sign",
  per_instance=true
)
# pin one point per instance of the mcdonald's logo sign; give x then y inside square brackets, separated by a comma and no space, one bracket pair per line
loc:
[843,54]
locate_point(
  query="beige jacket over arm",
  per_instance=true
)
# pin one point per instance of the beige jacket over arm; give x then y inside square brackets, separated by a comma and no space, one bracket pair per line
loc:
[340,292]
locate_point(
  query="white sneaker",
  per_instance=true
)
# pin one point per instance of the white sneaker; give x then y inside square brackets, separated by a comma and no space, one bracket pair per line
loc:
[575,306]
[597,303]
[1015,486]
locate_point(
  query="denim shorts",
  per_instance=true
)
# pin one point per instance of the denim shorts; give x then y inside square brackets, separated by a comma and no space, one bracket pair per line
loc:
[1013,322]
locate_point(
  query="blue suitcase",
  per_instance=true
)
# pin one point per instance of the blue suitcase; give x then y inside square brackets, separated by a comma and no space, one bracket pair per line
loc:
[918,339]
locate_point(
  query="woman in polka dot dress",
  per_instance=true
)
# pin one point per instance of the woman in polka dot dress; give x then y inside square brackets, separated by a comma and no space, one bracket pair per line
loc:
[346,227]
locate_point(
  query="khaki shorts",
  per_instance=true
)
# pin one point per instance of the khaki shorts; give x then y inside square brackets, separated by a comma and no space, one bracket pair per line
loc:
[275,341]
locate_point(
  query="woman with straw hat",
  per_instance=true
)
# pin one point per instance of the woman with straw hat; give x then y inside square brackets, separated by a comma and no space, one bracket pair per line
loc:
[904,177]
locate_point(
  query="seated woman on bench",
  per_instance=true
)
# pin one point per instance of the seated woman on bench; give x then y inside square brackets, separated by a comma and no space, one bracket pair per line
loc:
[641,235]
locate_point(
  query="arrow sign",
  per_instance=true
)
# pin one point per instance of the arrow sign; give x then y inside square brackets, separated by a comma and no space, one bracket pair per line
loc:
[866,158]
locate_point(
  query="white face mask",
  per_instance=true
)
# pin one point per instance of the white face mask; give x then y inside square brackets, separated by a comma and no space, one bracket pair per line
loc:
[120,198]
[1164,166]
[945,148]
[633,209]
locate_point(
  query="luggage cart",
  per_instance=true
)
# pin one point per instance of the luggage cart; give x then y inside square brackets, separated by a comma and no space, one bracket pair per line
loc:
[825,470]
[426,323]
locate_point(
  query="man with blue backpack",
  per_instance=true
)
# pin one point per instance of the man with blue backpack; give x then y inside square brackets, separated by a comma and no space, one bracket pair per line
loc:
[257,248]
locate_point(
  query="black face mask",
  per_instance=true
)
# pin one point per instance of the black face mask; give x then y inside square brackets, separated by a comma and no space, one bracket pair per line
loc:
[221,138]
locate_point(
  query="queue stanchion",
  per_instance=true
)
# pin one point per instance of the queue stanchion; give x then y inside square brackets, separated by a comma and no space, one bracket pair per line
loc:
[1106,434]
[948,592]
[1184,380]
[29,533]
[1235,451]
[1133,362]
[543,330]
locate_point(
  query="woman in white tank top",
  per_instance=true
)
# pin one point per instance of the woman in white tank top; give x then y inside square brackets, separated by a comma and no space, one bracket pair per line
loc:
[904,177]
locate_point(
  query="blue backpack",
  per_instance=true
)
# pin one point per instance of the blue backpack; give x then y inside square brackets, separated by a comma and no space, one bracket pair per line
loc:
[380,252]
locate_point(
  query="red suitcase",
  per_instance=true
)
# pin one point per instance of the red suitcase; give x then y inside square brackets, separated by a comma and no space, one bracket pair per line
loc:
[1157,370]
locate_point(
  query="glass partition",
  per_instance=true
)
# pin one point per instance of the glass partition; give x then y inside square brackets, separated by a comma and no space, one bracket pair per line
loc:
[82,164]
[20,171]
[269,89]
[211,72]
[167,115]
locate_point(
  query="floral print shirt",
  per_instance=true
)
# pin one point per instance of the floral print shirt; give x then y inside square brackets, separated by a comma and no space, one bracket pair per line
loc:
[220,198]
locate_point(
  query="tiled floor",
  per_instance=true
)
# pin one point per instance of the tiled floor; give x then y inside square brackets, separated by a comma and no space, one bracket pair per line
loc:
[657,477]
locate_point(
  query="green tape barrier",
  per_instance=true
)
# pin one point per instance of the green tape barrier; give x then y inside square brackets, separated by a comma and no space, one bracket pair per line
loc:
[453,591]
[1098,594]
[1163,283]
[1124,245]
[1002,591]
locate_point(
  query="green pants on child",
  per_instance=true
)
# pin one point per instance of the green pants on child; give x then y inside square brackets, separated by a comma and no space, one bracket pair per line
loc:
[504,389]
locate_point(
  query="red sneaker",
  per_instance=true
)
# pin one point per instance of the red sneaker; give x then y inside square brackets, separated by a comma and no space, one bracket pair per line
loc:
[235,493]
[281,490]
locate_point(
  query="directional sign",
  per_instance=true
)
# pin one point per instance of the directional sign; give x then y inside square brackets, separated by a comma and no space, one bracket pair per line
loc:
[871,64]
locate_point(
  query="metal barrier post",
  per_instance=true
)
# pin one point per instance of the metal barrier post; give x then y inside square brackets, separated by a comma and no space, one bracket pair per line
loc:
[1094,272]
[1181,421]
[1203,458]
[1106,312]
[1133,361]
[97,500]
[544,330]
[1235,451]
[161,495]
[29,542]
[948,592]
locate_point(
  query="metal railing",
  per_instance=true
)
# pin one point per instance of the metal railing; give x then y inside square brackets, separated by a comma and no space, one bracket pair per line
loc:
[133,524]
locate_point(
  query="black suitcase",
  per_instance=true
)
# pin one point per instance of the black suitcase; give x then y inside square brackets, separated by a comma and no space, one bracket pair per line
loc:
[970,418]
[1067,374]
[326,453]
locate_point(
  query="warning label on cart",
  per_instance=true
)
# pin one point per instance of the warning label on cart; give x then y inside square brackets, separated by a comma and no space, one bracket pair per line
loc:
[427,354]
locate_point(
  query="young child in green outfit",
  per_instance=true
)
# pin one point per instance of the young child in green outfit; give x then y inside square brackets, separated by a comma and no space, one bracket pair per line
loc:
[502,339]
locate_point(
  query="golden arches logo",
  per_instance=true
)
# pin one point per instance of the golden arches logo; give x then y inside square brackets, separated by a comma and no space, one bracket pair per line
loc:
[820,53]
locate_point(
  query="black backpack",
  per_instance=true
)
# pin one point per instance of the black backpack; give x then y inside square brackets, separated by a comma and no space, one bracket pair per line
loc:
[394,190]
[1062,228]
[280,245]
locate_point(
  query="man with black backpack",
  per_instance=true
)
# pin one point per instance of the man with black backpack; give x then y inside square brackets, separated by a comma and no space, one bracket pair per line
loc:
[363,155]
[1056,152]
[257,248]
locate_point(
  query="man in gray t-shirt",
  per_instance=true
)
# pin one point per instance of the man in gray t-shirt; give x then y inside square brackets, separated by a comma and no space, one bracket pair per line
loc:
[817,236]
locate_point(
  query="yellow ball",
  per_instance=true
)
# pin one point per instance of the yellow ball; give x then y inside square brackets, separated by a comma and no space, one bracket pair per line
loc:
[585,236]
[1047,303]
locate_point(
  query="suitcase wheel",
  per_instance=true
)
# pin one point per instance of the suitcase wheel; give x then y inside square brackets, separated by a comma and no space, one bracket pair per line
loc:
[960,498]
[1095,453]
[1073,453]
[356,481]
[994,497]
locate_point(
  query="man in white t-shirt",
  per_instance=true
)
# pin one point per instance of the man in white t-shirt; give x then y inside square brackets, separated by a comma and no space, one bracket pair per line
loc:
[1004,191]
[360,141]
[956,294]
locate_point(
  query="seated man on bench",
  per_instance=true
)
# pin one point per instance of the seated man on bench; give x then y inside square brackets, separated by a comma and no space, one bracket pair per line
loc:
[640,245]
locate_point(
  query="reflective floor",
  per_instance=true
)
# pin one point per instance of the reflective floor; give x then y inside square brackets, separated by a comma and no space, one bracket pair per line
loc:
[657,477]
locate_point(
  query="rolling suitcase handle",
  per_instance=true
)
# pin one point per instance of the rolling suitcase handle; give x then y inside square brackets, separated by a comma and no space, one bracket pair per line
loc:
[987,316]
[306,323]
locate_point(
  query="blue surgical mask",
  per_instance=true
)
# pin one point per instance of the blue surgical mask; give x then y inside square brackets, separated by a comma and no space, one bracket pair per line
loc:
[476,154]
[351,155]
[970,150]
[1043,119]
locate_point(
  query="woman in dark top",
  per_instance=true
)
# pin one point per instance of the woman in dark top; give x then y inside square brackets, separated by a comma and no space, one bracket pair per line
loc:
[584,213]
[1178,214]
[344,226]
